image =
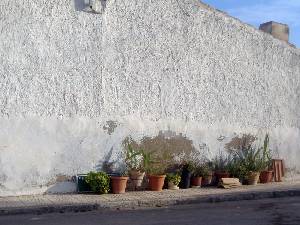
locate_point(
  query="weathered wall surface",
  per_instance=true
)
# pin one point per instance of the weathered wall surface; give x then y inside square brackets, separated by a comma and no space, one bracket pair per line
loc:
[149,66]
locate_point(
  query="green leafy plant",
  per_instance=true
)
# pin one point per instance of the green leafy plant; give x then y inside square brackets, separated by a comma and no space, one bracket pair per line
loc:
[174,178]
[249,159]
[266,154]
[189,165]
[201,170]
[236,168]
[220,162]
[154,163]
[98,181]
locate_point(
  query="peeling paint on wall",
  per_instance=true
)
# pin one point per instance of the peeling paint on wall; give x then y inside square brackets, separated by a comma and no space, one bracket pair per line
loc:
[147,66]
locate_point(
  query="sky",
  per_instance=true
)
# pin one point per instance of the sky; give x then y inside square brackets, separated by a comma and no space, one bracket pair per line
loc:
[255,12]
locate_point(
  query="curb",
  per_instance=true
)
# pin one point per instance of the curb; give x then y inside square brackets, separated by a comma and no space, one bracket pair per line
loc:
[142,204]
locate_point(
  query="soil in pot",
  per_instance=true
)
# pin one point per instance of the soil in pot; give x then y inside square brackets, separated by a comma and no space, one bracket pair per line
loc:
[196,181]
[156,182]
[266,176]
[137,178]
[253,178]
[219,175]
[118,184]
[185,179]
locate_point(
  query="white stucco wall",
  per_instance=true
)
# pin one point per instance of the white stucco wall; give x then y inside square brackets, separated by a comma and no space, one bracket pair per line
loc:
[150,66]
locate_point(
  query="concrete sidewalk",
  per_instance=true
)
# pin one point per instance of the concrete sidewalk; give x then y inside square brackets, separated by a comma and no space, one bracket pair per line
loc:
[38,204]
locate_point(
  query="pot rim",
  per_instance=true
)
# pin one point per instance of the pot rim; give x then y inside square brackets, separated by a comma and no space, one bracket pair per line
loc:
[119,178]
[157,176]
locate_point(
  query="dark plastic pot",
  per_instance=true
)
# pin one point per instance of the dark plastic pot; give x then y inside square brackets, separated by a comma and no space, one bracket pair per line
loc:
[185,182]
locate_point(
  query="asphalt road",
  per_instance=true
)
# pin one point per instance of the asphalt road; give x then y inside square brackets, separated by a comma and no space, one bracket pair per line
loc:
[280,211]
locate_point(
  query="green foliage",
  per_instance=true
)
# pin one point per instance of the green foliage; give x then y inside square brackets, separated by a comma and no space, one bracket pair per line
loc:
[99,182]
[189,165]
[220,162]
[266,153]
[201,170]
[249,159]
[174,178]
[155,164]
[236,168]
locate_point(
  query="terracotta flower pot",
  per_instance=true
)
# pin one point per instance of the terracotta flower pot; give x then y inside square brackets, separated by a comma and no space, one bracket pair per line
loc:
[172,186]
[156,182]
[266,176]
[219,175]
[253,178]
[137,178]
[119,184]
[196,181]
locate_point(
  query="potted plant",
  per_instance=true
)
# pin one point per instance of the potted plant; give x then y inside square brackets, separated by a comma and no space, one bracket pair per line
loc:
[208,174]
[220,165]
[119,183]
[266,175]
[98,181]
[250,160]
[173,181]
[200,172]
[186,174]
[155,168]
[236,169]
[134,164]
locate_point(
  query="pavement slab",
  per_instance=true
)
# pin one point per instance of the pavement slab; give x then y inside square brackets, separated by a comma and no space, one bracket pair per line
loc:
[132,200]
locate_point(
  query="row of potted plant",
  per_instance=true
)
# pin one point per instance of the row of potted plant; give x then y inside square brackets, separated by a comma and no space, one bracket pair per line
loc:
[248,163]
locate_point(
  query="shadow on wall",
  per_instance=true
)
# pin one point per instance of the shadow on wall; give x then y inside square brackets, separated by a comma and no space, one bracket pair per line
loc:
[107,165]
[96,5]
[80,5]
[64,184]
[62,188]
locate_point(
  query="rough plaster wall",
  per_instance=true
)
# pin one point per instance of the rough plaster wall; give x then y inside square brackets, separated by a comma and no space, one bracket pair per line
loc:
[150,66]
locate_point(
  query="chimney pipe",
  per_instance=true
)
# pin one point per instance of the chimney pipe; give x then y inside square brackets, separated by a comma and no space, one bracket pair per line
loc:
[277,30]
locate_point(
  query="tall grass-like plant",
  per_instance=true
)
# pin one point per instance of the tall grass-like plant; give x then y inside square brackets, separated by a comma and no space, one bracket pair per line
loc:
[266,153]
[220,162]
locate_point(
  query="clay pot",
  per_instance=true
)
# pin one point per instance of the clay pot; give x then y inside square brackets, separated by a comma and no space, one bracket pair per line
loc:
[172,186]
[219,175]
[156,182]
[266,176]
[137,178]
[119,184]
[253,178]
[196,181]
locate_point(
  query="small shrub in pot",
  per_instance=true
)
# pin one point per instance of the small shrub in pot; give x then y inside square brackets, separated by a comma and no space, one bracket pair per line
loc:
[134,164]
[220,166]
[173,181]
[155,167]
[98,181]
